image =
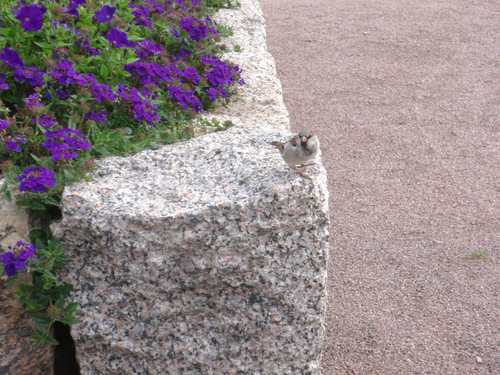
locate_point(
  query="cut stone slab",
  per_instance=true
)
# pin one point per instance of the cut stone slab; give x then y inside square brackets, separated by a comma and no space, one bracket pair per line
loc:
[207,256]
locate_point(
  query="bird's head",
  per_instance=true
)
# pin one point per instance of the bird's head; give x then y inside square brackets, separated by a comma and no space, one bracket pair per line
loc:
[305,134]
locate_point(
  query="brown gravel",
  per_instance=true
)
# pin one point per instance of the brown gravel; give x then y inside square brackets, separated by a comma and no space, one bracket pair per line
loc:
[405,97]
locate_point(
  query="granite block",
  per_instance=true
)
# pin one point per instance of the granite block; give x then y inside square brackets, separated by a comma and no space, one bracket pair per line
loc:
[207,256]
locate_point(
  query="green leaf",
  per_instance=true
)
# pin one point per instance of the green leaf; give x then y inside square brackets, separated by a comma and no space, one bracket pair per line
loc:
[44,45]
[135,38]
[101,150]
[63,44]
[34,305]
[51,200]
[43,337]
[38,207]
[104,71]
[69,320]
[131,60]
[49,279]
[38,160]
[63,290]
[41,319]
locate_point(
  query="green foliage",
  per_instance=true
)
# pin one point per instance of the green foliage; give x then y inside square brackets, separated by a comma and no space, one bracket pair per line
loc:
[45,299]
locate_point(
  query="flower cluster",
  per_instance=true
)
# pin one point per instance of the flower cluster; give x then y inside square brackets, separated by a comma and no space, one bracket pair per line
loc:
[118,38]
[197,29]
[14,143]
[65,143]
[45,121]
[126,63]
[221,73]
[17,258]
[3,82]
[142,109]
[36,179]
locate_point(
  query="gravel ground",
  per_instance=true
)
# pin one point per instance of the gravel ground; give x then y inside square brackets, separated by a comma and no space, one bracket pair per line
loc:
[405,97]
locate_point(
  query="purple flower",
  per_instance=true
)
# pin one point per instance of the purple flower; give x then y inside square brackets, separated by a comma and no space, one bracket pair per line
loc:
[31,75]
[142,109]
[12,263]
[100,116]
[148,47]
[11,58]
[185,98]
[14,143]
[65,74]
[84,44]
[212,94]
[31,17]
[37,179]
[196,29]
[76,3]
[151,73]
[45,121]
[4,124]
[73,6]
[220,73]
[105,14]
[118,38]
[64,143]
[191,74]
[141,15]
[101,92]
[63,94]
[33,103]
[3,82]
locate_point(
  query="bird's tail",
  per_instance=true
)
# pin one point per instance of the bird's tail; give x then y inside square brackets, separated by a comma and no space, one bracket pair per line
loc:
[279,145]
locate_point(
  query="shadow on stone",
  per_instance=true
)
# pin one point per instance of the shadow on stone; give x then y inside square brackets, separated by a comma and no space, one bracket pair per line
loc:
[65,362]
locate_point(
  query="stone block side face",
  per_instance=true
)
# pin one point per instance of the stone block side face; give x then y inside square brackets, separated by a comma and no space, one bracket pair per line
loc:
[232,289]
[230,281]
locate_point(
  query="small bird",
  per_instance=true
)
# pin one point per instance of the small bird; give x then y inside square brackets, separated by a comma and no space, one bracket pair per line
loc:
[299,150]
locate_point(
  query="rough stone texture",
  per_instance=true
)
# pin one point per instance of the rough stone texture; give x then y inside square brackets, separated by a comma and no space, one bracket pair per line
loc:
[260,101]
[201,257]
[17,354]
[207,256]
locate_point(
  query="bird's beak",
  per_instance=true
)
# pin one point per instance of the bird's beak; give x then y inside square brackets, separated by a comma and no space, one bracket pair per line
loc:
[304,139]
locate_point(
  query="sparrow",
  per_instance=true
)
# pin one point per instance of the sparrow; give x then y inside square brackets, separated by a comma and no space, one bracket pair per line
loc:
[299,150]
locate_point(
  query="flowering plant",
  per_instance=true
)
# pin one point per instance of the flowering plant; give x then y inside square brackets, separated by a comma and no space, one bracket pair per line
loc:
[81,79]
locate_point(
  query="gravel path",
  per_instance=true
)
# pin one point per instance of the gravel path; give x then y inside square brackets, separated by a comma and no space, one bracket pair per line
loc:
[405,97]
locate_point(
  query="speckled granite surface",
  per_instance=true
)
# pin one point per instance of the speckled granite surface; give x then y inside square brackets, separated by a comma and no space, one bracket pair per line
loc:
[207,256]
[204,257]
